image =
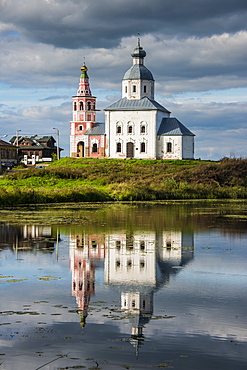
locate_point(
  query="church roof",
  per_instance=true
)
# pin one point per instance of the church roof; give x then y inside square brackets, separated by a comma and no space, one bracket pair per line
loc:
[172,126]
[138,72]
[136,104]
[98,129]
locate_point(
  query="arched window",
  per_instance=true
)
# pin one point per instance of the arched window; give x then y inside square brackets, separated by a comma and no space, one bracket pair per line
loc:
[95,148]
[81,105]
[169,147]
[89,105]
[143,147]
[143,129]
[74,105]
[119,129]
[119,147]
[130,129]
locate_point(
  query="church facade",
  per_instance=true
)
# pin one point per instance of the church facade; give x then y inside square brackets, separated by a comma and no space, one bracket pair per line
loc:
[136,126]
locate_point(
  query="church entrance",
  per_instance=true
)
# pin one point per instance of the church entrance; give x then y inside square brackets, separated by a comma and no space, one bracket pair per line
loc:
[129,150]
[80,149]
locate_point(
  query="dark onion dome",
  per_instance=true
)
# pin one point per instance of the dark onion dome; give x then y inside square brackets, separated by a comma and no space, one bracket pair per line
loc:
[138,72]
[138,52]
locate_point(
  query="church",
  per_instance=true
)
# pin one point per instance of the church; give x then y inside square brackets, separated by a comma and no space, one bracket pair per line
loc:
[136,126]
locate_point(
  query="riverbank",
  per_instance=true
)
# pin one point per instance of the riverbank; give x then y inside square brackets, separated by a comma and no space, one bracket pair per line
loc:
[103,180]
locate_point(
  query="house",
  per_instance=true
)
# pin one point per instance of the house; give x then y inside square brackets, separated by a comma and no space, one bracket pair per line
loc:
[33,149]
[136,126]
[8,155]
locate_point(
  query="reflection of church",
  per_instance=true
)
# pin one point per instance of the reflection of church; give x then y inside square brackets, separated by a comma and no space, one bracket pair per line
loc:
[135,264]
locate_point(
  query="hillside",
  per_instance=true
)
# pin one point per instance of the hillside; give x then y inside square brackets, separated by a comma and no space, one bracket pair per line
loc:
[97,180]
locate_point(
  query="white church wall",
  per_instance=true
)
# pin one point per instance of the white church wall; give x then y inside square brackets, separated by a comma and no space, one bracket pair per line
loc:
[129,93]
[175,143]
[188,147]
[134,118]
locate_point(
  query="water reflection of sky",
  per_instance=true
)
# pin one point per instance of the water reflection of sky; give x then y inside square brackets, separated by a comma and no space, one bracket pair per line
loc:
[142,299]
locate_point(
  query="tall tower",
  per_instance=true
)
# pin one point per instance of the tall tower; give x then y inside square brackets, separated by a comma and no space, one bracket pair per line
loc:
[138,81]
[84,116]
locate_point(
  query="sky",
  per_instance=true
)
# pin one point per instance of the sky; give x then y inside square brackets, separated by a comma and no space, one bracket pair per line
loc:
[196,51]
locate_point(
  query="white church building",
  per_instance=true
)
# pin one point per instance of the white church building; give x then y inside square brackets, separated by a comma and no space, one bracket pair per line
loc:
[136,126]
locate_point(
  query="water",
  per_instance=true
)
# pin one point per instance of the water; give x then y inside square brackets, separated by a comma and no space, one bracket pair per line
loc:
[127,287]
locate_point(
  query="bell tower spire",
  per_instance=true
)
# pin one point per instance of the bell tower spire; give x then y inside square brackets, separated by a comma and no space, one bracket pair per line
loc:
[84,115]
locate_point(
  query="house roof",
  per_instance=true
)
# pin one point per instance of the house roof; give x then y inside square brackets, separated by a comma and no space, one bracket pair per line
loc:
[98,129]
[5,143]
[36,141]
[172,126]
[136,104]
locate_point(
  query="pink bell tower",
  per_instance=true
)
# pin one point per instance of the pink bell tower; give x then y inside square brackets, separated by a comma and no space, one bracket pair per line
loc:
[84,116]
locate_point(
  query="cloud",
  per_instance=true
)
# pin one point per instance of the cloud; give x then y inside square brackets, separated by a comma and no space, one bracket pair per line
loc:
[55,97]
[75,24]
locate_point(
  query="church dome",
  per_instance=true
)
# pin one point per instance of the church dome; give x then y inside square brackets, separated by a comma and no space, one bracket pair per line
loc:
[138,52]
[138,72]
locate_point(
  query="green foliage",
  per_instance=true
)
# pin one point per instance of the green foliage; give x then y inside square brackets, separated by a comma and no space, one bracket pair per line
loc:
[96,180]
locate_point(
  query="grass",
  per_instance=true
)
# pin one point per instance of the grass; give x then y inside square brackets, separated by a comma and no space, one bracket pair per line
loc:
[101,180]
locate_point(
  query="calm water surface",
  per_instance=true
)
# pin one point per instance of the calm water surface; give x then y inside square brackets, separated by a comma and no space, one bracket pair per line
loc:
[127,287]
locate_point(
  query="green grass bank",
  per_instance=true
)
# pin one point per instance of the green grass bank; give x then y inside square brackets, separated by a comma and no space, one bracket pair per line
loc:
[101,180]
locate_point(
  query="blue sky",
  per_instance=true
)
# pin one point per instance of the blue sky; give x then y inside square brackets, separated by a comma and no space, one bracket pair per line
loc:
[196,50]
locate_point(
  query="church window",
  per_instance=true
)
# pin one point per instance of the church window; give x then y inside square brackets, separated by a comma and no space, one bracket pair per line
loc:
[143,129]
[80,285]
[169,147]
[89,105]
[80,128]
[119,147]
[145,88]
[89,117]
[142,245]
[143,147]
[119,129]
[126,89]
[95,148]
[134,88]
[74,105]
[94,243]
[118,244]
[130,129]
[81,105]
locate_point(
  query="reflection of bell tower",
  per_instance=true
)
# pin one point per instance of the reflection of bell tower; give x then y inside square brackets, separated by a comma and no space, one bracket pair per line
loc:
[84,253]
[82,283]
